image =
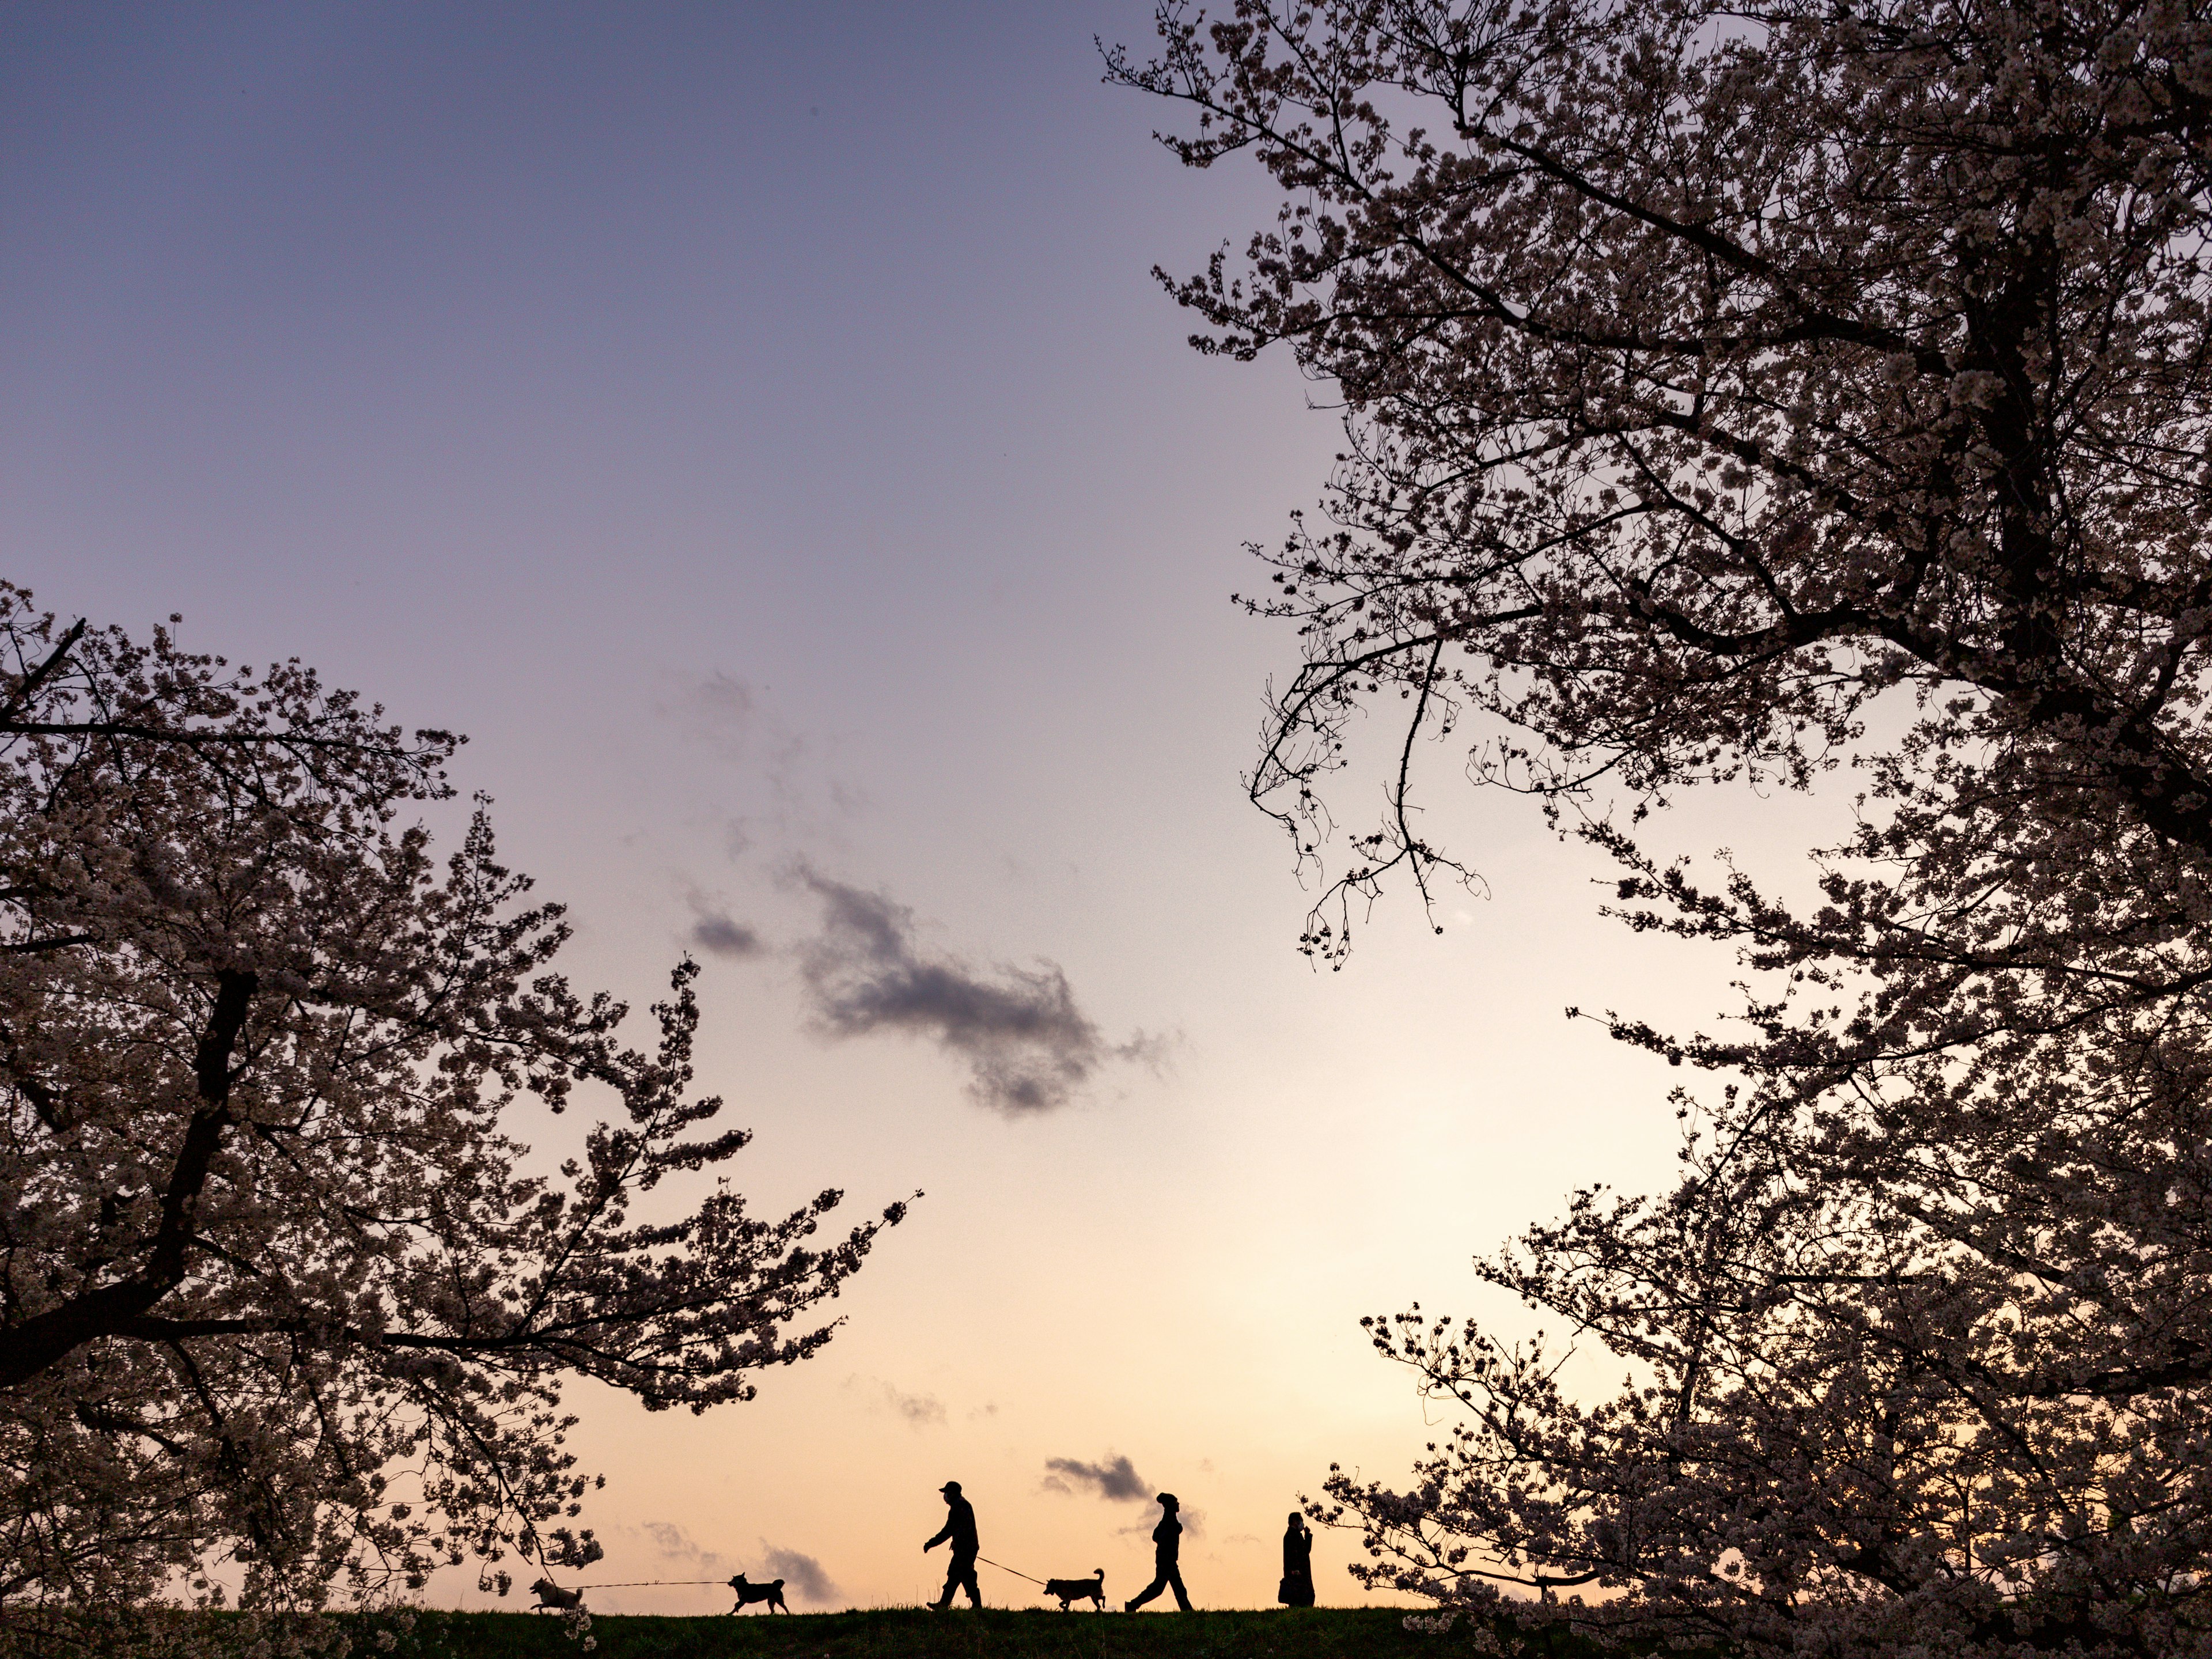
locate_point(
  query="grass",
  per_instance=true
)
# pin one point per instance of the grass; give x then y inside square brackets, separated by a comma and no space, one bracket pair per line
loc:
[914,1633]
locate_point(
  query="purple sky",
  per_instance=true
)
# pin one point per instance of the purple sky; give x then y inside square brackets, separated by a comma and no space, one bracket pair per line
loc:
[757,426]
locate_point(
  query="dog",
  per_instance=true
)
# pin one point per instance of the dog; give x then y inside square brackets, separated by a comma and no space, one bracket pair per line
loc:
[1092,1589]
[551,1598]
[748,1594]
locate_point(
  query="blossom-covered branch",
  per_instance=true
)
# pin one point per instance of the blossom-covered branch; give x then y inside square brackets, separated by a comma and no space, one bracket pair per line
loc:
[1764,395]
[276,1281]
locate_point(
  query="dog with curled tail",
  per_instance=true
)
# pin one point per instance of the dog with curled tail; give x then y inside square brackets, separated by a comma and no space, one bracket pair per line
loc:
[1091,1589]
[750,1593]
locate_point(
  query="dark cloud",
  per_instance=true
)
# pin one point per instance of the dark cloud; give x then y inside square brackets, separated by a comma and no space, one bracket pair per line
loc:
[1028,1046]
[725,936]
[1116,1478]
[802,1574]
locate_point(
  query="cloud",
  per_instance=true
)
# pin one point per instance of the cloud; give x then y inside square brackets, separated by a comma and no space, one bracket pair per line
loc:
[674,1544]
[725,936]
[717,706]
[1029,1047]
[921,1411]
[1194,1524]
[800,1573]
[1116,1478]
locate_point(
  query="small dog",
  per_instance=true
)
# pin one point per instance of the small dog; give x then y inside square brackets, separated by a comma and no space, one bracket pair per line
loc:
[1092,1589]
[551,1598]
[748,1594]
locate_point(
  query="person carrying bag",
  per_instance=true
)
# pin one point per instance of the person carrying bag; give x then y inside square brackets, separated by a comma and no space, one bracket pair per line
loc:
[1297,1590]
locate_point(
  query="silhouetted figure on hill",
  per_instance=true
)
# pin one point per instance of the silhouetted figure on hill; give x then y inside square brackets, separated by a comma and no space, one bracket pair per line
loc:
[748,1592]
[1297,1589]
[960,1528]
[1167,1548]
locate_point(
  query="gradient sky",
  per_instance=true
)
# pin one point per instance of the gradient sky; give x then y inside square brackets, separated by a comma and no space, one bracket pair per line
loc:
[755,426]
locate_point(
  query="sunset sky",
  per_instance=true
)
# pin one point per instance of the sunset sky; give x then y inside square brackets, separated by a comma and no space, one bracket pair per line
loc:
[757,426]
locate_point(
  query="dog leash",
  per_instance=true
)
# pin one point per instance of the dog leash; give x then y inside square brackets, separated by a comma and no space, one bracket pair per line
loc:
[643,1584]
[1002,1567]
[654,1584]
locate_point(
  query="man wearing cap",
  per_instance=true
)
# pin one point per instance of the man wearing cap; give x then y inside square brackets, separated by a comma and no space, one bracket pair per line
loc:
[1167,1548]
[960,1528]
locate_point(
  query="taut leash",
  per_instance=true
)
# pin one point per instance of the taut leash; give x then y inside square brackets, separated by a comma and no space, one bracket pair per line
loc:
[1002,1567]
[645,1583]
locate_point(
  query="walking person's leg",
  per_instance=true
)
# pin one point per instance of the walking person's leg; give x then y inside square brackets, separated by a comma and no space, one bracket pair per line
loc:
[975,1591]
[1175,1578]
[944,1602]
[1146,1594]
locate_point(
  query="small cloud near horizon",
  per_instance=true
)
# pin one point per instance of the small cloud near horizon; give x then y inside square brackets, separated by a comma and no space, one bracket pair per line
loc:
[801,1574]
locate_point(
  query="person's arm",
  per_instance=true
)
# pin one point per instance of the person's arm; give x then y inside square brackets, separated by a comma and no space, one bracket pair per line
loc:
[944,1535]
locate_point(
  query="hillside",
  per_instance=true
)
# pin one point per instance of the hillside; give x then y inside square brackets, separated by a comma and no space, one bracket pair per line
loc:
[908,1634]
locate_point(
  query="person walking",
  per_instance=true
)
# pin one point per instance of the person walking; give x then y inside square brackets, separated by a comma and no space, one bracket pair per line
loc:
[1297,1589]
[1167,1548]
[960,1529]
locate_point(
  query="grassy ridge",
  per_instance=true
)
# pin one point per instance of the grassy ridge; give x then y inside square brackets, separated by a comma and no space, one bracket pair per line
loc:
[912,1633]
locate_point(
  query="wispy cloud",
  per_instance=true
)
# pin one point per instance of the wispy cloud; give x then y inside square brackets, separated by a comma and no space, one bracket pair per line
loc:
[921,1411]
[717,707]
[1194,1524]
[674,1544]
[1115,1478]
[1028,1044]
[801,1574]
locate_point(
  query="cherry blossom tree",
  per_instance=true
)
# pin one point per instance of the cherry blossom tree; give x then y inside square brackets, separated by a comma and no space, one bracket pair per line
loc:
[1810,395]
[280,1287]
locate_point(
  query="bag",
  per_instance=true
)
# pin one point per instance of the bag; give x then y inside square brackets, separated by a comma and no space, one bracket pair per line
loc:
[1283,1591]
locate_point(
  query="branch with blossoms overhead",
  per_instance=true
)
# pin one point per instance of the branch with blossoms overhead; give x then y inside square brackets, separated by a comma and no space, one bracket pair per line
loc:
[1771,399]
[276,1290]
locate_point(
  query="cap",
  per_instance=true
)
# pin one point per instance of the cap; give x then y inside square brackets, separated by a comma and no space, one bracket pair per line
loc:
[950,1485]
[1168,1500]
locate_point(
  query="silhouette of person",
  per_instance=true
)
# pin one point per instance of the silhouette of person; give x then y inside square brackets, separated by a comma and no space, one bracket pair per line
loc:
[1297,1589]
[960,1528]
[1167,1548]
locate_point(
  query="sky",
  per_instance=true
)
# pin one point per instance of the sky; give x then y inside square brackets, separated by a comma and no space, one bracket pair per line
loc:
[758,427]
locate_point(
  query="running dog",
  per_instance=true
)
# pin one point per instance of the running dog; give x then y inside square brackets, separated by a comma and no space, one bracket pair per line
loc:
[551,1598]
[748,1594]
[1091,1589]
